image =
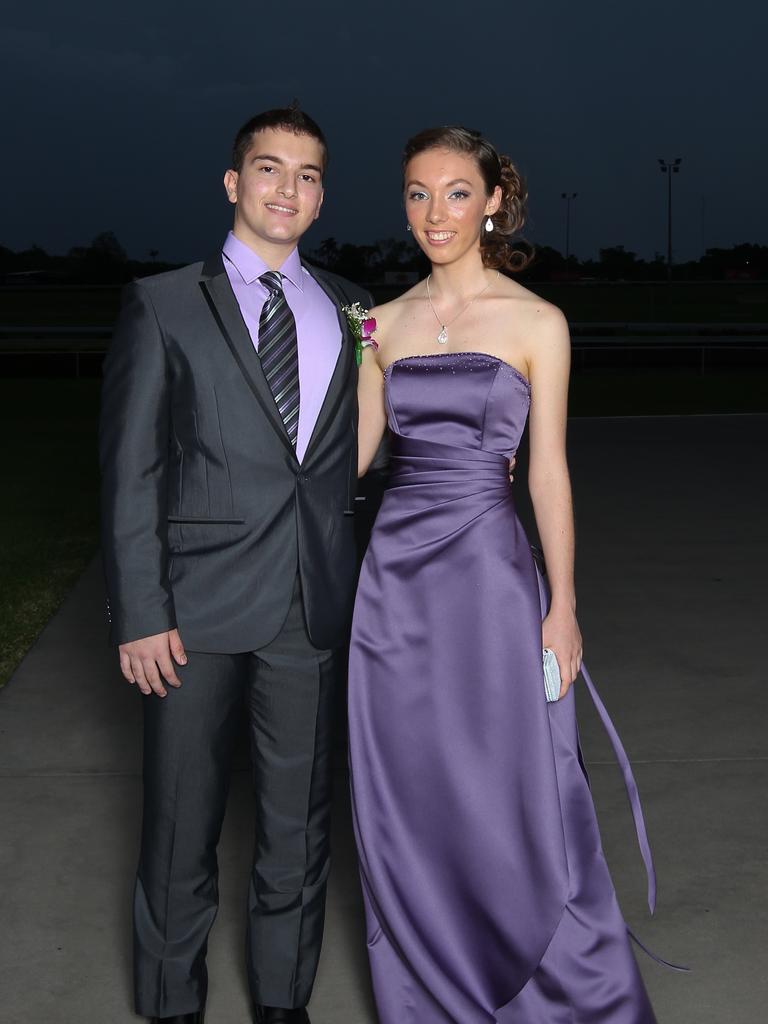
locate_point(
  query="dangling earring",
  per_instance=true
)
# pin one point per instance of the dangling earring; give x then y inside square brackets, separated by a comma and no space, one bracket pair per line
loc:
[407,227]
[489,225]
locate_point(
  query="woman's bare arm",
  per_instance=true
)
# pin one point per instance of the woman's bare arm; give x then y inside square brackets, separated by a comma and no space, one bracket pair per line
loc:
[372,415]
[550,486]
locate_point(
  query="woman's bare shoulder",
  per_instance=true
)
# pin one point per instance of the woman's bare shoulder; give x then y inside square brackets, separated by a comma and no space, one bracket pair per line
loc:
[389,311]
[391,320]
[542,319]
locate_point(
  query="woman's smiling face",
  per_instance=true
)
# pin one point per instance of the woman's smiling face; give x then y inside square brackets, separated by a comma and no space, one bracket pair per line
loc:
[446,203]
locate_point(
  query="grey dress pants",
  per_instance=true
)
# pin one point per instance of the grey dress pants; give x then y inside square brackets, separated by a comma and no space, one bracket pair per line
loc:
[286,691]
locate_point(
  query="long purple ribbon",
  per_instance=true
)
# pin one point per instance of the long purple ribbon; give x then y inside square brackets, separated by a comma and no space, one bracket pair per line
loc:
[626,770]
[637,812]
[629,782]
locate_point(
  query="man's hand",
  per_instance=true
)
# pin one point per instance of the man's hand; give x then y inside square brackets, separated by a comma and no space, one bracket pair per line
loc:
[148,661]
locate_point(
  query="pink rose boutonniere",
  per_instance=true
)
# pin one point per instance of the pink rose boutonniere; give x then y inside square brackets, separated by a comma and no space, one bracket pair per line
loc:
[362,326]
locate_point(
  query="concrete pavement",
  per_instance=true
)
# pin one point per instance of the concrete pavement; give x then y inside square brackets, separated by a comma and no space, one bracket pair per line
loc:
[672,559]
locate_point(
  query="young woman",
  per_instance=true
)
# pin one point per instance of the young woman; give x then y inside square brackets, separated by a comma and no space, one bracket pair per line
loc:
[487,894]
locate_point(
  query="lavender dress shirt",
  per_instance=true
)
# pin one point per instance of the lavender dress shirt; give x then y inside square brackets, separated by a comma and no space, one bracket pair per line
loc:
[317,324]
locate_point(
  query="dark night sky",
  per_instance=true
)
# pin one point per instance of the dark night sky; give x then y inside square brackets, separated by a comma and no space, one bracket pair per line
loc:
[122,119]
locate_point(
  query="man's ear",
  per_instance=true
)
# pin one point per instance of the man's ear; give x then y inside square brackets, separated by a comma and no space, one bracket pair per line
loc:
[319,204]
[230,185]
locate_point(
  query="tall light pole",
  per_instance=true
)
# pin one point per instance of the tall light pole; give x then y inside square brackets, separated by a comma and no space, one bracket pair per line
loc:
[669,167]
[568,197]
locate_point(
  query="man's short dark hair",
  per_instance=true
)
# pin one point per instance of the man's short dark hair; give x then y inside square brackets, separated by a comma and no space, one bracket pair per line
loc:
[290,119]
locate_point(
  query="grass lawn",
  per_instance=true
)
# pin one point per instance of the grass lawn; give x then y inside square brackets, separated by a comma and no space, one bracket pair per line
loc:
[655,392]
[684,302]
[49,512]
[59,307]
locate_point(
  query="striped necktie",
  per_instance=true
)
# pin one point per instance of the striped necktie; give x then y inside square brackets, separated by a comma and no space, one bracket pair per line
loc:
[279,353]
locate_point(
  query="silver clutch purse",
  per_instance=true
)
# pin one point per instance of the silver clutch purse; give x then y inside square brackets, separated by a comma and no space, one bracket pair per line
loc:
[552,680]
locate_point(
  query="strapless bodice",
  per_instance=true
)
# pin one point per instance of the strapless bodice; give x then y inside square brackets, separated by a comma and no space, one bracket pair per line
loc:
[464,399]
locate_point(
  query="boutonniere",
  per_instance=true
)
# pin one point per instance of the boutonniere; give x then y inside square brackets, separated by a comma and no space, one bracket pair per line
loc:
[362,325]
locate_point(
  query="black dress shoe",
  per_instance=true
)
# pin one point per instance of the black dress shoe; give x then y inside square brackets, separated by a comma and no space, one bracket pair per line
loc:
[180,1018]
[276,1015]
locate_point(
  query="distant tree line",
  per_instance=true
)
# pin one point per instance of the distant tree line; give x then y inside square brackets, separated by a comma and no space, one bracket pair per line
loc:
[105,261]
[744,262]
[369,263]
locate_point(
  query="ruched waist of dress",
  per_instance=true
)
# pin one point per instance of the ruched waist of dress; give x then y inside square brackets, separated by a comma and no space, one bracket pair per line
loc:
[414,459]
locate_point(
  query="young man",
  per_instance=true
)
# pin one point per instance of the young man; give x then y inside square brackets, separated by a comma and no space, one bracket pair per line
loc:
[229,462]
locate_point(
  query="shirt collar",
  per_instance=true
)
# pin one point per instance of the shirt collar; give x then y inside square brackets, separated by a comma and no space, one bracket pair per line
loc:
[250,266]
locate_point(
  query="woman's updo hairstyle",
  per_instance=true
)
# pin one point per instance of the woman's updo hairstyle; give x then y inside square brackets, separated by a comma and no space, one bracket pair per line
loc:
[499,249]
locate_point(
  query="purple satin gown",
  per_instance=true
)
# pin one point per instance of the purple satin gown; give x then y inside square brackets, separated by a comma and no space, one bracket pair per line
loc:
[487,894]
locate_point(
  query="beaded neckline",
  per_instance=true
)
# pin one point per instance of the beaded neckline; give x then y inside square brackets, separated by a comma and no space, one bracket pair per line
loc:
[446,355]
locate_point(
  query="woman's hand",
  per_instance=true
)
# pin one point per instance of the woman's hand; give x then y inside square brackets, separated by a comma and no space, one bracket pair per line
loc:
[560,632]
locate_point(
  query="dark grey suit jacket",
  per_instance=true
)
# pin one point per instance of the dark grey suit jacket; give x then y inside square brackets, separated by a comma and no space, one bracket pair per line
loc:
[206,513]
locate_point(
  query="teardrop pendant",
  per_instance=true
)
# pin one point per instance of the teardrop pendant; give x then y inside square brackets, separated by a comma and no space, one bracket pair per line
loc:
[442,338]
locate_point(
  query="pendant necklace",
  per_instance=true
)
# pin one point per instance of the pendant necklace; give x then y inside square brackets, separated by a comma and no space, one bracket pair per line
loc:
[442,338]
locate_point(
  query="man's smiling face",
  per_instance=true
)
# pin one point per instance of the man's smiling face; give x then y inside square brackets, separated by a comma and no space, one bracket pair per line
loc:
[278,191]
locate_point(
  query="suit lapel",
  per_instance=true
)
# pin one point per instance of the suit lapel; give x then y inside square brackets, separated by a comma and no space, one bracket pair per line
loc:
[221,300]
[344,363]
